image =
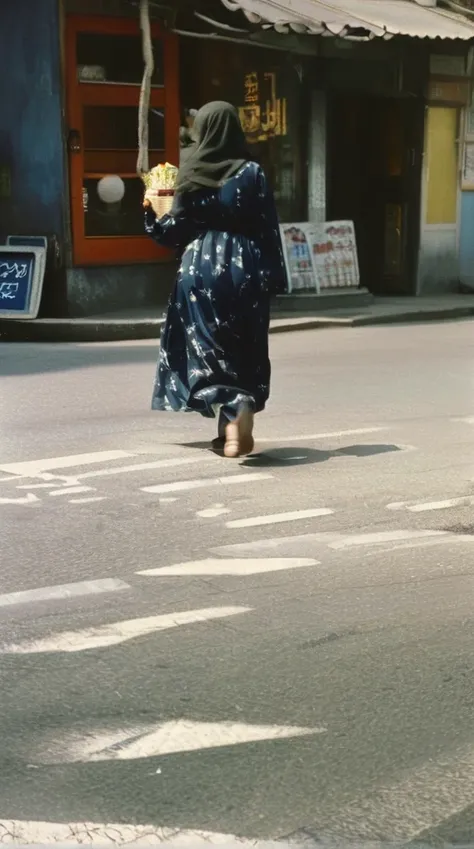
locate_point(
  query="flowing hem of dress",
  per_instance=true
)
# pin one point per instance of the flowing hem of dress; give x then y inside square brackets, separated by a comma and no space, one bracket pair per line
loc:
[229,406]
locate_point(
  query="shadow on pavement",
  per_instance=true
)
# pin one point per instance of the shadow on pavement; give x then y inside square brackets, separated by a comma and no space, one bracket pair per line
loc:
[24,359]
[305,456]
[301,455]
[217,790]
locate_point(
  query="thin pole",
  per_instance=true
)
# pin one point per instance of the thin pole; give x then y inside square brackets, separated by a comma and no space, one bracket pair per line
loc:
[143,165]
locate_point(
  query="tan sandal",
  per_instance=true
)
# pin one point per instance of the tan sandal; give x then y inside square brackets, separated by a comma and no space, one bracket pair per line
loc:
[238,435]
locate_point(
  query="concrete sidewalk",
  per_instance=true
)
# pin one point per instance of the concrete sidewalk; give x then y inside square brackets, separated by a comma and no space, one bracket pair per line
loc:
[138,324]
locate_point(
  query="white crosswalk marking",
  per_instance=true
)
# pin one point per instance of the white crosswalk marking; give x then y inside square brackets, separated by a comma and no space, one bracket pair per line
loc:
[293,516]
[442,505]
[45,468]
[35,485]
[32,468]
[30,498]
[170,463]
[41,478]
[382,538]
[34,832]
[293,544]
[63,591]
[44,474]
[230,567]
[212,512]
[302,544]
[105,636]
[165,738]
[70,490]
[101,745]
[442,539]
[428,506]
[45,479]
[227,480]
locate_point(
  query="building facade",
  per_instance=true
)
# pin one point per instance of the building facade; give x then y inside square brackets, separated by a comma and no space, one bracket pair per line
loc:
[364,125]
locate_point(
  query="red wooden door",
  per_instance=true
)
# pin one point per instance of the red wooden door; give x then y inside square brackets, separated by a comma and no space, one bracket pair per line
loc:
[104,70]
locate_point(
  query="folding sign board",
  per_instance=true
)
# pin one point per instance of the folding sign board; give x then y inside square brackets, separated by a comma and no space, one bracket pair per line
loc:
[22,270]
[298,260]
[30,242]
[320,256]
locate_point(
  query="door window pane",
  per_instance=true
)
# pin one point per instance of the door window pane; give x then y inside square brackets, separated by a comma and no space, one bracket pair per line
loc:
[124,218]
[115,59]
[116,128]
[113,161]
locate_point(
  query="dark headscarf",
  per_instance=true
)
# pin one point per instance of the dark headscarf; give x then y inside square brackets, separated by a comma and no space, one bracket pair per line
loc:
[219,152]
[187,145]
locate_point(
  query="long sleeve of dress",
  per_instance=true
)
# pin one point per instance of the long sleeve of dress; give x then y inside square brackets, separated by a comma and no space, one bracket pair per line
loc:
[174,230]
[270,236]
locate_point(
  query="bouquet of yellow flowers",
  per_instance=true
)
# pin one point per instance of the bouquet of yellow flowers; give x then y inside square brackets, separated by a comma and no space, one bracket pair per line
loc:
[159,187]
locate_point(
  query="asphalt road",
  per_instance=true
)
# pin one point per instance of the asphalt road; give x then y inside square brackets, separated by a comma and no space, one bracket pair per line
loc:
[280,646]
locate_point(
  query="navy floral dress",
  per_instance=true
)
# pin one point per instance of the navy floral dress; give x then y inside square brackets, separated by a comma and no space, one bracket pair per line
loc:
[214,345]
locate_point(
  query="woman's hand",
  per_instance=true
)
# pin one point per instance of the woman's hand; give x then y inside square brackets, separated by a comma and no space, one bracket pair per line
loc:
[146,200]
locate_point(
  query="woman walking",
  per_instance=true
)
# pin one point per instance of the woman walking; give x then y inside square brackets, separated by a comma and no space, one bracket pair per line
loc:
[214,346]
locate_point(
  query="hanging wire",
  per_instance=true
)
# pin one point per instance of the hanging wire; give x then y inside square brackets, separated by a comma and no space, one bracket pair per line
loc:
[143,164]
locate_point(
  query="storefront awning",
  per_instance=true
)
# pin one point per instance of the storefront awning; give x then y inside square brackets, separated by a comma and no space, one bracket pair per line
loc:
[356,18]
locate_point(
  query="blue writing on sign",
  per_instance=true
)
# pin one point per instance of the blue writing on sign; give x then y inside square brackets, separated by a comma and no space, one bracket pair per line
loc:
[300,251]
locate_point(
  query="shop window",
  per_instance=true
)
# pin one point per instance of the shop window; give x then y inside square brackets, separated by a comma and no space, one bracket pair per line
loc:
[115,128]
[123,218]
[268,94]
[104,58]
[270,111]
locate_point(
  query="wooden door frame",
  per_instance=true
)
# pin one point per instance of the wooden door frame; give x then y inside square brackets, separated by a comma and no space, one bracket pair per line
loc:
[414,117]
[115,250]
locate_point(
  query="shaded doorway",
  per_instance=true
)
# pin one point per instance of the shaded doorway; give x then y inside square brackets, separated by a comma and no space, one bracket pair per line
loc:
[374,179]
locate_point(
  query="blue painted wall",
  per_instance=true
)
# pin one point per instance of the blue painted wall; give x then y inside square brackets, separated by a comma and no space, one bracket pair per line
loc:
[466,240]
[31,136]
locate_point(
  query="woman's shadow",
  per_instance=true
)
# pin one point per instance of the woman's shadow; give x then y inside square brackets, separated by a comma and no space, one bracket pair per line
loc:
[301,455]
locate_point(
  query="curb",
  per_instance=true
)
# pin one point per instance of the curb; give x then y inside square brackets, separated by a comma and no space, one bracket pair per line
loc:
[124,330]
[421,316]
[80,330]
[403,317]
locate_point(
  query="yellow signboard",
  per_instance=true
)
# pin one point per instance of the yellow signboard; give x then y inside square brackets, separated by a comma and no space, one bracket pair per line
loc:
[263,116]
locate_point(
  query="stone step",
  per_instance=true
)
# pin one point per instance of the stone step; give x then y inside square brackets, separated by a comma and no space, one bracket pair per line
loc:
[330,299]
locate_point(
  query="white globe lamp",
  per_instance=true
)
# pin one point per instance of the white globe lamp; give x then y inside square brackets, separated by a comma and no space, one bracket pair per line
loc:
[111,189]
